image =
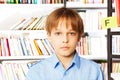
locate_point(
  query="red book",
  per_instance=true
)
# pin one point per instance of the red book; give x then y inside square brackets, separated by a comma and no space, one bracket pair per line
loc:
[118,11]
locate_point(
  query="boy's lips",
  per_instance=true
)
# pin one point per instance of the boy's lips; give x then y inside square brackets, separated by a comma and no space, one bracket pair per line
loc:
[65,48]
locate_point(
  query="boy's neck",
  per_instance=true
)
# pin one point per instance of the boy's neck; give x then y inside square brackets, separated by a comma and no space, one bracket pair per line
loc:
[66,61]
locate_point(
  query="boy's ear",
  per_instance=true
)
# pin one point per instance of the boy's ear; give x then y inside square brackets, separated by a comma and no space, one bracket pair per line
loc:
[48,37]
[79,39]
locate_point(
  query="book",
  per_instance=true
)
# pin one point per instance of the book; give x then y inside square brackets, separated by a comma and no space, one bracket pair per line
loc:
[13,70]
[33,47]
[6,46]
[37,47]
[1,72]
[48,46]
[29,23]
[0,48]
[12,46]
[42,47]
[33,24]
[23,43]
[118,11]
[16,46]
[23,23]
[15,26]
[3,47]
[28,47]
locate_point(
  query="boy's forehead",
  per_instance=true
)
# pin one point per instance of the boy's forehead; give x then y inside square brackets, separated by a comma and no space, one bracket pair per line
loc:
[64,24]
[62,28]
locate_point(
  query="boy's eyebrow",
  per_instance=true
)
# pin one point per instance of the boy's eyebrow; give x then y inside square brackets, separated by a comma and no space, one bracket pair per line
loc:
[67,30]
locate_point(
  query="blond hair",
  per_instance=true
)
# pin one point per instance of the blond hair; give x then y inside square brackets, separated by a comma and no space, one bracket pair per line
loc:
[71,16]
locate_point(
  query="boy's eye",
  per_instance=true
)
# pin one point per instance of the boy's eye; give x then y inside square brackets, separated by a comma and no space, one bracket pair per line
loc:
[57,33]
[72,33]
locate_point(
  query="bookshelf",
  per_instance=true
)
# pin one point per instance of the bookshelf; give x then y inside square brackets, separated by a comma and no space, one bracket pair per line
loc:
[113,58]
[95,33]
[12,13]
[16,12]
[94,11]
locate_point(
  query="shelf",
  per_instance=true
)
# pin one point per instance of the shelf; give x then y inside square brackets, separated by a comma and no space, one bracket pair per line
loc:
[94,57]
[85,6]
[115,56]
[41,34]
[7,58]
[12,58]
[16,12]
[115,76]
[30,6]
[21,31]
[115,33]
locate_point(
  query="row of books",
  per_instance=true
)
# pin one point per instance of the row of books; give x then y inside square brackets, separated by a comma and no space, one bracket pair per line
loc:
[31,1]
[34,45]
[116,44]
[89,1]
[92,19]
[116,67]
[18,70]
[117,10]
[14,70]
[50,1]
[23,46]
[92,46]
[32,23]
[104,69]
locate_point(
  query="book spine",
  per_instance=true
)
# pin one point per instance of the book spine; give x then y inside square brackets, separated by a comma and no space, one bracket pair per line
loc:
[118,11]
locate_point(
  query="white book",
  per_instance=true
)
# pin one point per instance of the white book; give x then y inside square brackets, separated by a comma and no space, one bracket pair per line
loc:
[22,24]
[15,26]
[1,73]
[33,24]
[16,45]
[11,44]
[10,71]
[20,46]
[42,47]
[6,46]
[22,40]
[3,70]
[3,47]
[24,68]
[28,47]
[42,23]
[21,72]
[6,71]
[34,49]
[48,46]
[95,46]
[13,70]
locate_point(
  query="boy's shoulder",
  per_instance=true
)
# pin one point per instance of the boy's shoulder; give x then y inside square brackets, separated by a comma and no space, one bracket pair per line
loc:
[41,63]
[88,62]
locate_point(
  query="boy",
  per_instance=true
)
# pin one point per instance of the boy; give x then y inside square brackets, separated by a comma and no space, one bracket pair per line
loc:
[64,29]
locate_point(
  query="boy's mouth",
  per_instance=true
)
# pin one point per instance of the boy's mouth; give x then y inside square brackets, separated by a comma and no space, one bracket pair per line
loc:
[65,48]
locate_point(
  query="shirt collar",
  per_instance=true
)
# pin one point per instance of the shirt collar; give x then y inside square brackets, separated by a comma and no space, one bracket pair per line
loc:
[56,62]
[76,60]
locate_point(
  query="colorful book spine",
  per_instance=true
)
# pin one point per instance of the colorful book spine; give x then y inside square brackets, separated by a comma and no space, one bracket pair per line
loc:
[118,11]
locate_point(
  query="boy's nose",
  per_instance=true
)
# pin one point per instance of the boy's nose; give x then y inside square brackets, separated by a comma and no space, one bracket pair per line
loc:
[65,39]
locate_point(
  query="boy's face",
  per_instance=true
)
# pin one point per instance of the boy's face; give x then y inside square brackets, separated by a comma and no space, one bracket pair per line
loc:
[64,40]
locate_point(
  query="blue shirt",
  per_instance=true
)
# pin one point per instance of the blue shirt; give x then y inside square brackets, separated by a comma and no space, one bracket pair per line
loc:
[52,69]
